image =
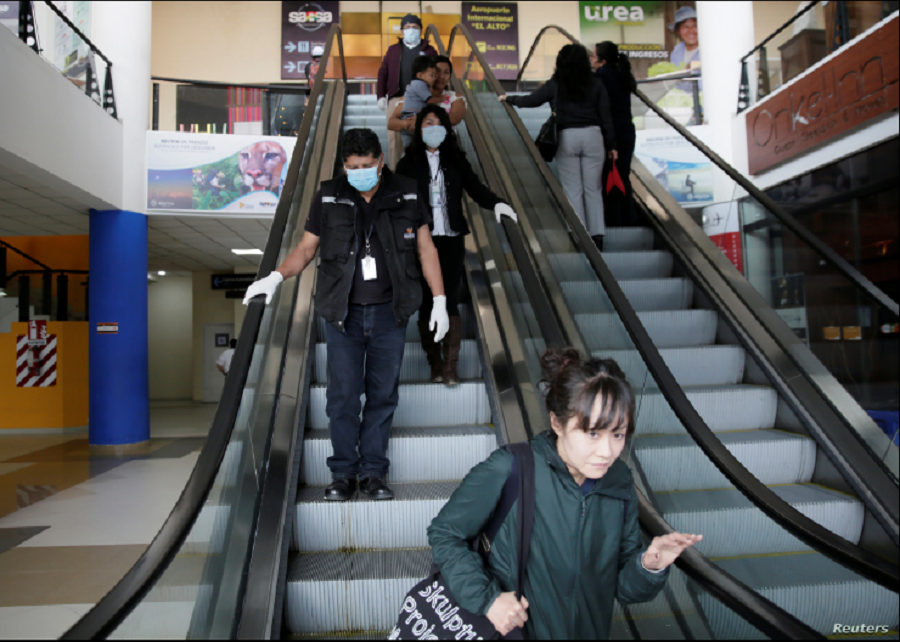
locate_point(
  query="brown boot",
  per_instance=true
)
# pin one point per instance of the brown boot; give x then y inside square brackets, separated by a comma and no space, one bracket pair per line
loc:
[432,351]
[452,344]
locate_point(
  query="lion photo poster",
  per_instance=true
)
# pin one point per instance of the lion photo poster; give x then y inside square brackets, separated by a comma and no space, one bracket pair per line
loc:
[194,173]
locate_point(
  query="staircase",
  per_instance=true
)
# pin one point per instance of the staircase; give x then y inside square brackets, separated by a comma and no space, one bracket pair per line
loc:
[352,563]
[362,111]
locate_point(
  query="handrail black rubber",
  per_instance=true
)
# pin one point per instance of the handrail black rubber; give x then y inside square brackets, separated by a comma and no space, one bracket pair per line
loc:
[760,612]
[837,548]
[534,45]
[81,35]
[293,87]
[115,606]
[855,558]
[787,24]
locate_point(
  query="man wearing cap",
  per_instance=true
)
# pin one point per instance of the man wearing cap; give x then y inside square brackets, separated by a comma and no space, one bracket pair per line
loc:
[312,67]
[688,50]
[396,73]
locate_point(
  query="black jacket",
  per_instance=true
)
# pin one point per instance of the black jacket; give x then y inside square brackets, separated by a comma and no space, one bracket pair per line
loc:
[619,103]
[397,222]
[593,110]
[458,176]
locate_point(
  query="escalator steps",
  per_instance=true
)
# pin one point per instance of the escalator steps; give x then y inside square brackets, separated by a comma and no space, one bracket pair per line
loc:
[644,295]
[423,404]
[732,526]
[416,454]
[650,264]
[363,524]
[667,329]
[360,591]
[699,366]
[723,408]
[674,462]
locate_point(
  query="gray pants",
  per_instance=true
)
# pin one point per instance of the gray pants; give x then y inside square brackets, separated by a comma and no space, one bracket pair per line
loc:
[580,159]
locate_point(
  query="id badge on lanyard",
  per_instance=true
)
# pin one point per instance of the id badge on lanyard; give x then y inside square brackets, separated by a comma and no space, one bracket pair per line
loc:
[370,273]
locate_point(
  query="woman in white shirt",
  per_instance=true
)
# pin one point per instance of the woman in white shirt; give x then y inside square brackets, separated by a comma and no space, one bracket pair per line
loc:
[443,173]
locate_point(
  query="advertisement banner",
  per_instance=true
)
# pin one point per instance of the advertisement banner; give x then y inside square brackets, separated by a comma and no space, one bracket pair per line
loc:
[681,168]
[659,37]
[9,16]
[197,173]
[721,222]
[70,53]
[495,28]
[304,25]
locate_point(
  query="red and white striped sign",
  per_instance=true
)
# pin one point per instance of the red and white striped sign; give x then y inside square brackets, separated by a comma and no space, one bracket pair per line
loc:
[39,371]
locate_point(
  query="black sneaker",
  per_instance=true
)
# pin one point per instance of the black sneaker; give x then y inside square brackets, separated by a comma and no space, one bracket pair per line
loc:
[375,489]
[340,490]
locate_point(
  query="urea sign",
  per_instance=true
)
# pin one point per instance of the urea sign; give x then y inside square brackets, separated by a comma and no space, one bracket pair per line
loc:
[602,13]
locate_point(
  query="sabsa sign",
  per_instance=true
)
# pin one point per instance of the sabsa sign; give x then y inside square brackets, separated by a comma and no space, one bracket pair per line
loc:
[310,17]
[619,13]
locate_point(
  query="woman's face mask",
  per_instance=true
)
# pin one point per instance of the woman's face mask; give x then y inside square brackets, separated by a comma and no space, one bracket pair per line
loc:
[433,136]
[363,179]
[412,36]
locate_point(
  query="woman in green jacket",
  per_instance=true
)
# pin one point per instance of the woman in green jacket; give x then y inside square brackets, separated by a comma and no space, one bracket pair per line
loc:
[586,544]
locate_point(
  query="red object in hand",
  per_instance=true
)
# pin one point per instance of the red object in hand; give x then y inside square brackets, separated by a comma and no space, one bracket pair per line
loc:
[614,179]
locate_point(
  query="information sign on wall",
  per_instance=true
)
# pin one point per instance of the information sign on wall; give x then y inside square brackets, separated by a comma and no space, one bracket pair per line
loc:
[721,222]
[70,53]
[304,25]
[495,28]
[858,84]
[192,173]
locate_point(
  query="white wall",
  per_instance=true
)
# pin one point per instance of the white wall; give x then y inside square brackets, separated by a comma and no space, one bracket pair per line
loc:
[209,306]
[170,329]
[53,132]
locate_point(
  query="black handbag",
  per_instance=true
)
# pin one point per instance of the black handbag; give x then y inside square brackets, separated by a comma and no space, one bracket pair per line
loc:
[430,612]
[547,140]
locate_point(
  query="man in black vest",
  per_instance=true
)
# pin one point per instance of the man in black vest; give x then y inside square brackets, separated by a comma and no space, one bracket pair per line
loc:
[373,232]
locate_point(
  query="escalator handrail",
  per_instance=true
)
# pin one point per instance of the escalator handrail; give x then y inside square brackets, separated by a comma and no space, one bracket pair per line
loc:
[115,606]
[842,551]
[789,221]
[759,611]
[534,45]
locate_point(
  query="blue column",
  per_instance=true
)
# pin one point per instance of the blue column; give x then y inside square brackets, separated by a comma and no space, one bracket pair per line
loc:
[119,385]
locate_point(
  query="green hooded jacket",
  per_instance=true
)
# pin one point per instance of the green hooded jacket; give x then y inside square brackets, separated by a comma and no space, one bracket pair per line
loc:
[585,551]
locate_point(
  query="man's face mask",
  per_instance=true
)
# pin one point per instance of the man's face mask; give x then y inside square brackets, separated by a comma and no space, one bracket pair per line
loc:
[363,179]
[412,36]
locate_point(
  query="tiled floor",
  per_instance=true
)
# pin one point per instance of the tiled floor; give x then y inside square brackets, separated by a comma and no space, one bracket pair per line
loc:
[72,523]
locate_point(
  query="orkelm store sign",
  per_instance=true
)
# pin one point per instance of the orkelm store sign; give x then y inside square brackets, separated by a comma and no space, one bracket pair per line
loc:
[855,86]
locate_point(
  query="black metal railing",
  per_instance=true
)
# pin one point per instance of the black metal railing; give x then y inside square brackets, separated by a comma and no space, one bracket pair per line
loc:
[28,33]
[111,611]
[24,285]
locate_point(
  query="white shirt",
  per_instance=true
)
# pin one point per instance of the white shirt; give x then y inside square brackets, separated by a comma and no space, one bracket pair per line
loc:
[224,359]
[437,196]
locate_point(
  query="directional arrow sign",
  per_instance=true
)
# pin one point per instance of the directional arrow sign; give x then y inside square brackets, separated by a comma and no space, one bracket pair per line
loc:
[290,67]
[290,47]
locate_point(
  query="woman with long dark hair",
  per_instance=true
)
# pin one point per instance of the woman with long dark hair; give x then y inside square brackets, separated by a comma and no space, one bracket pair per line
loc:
[586,547]
[442,173]
[614,71]
[586,133]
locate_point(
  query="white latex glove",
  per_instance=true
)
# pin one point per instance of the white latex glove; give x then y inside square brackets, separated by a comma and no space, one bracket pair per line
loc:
[502,209]
[440,321]
[266,286]
[382,103]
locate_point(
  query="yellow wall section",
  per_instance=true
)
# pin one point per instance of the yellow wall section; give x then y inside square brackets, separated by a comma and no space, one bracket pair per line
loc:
[64,405]
[57,252]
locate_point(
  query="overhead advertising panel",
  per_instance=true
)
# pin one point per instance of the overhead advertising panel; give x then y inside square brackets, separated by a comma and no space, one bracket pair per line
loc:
[659,37]
[495,28]
[304,25]
[216,173]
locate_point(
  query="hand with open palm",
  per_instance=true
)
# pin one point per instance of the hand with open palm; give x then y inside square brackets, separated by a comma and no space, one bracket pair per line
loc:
[666,549]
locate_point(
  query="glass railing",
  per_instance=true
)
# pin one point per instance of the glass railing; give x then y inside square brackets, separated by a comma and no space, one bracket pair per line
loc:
[811,32]
[664,414]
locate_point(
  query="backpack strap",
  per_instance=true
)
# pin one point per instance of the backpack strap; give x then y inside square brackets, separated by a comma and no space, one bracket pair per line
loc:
[508,497]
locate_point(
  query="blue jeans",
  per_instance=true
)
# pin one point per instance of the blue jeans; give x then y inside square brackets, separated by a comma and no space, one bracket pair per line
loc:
[366,357]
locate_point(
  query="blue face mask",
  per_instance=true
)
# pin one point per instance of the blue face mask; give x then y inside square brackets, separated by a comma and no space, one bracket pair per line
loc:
[363,179]
[412,37]
[433,136]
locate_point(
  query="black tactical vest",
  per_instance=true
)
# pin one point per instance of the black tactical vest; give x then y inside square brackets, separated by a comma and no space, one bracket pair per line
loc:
[397,221]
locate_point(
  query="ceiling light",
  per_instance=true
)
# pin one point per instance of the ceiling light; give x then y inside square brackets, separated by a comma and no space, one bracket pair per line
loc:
[254,251]
[161,272]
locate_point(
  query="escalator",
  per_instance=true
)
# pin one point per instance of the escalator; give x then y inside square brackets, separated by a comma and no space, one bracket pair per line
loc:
[251,550]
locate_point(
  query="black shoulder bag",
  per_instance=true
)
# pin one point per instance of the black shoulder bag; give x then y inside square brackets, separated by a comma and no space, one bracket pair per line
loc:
[430,612]
[547,140]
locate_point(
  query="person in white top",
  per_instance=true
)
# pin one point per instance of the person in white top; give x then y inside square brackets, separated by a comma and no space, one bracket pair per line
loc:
[453,103]
[442,172]
[223,363]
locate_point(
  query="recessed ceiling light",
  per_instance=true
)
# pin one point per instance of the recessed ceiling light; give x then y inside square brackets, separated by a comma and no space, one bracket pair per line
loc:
[161,273]
[254,251]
